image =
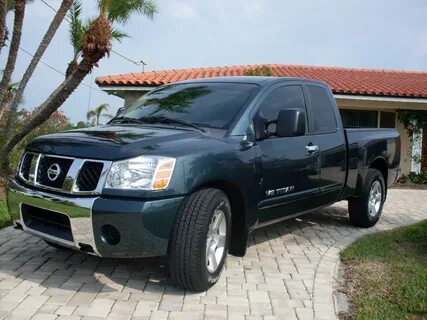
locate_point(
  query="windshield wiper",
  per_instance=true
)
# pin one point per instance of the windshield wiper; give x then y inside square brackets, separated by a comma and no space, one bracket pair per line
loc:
[123,119]
[162,119]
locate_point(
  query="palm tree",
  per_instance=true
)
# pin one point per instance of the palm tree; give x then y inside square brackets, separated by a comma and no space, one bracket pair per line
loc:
[12,88]
[96,114]
[3,32]
[78,29]
[95,45]
[13,49]
[47,38]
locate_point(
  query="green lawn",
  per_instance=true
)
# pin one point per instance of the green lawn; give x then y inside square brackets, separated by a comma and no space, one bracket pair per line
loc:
[4,215]
[387,274]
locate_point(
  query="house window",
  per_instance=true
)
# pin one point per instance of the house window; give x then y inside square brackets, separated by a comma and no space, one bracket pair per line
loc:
[387,119]
[359,118]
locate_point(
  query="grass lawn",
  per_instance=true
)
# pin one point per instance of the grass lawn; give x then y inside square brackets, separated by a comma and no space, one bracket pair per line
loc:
[4,215]
[386,274]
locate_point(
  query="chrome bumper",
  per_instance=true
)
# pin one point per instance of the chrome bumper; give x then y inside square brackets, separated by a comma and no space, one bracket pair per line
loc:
[78,210]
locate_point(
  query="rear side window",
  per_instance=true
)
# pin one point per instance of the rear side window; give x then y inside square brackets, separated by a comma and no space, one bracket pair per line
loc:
[321,110]
[282,98]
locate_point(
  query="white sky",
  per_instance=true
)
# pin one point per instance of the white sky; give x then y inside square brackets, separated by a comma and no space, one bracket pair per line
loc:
[381,34]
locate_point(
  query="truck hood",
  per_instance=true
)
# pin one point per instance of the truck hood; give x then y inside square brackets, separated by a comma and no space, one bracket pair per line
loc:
[111,142]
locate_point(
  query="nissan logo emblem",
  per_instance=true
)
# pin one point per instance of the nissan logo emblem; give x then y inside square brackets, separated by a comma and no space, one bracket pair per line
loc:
[53,172]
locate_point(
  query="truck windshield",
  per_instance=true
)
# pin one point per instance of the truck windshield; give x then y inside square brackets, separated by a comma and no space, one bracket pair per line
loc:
[211,105]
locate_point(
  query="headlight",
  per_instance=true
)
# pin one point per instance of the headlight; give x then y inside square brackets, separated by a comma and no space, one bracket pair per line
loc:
[143,173]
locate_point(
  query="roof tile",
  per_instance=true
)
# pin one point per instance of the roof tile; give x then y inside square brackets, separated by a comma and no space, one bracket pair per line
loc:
[342,80]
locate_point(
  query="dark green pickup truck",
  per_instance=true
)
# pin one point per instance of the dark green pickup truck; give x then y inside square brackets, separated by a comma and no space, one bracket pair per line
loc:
[191,168]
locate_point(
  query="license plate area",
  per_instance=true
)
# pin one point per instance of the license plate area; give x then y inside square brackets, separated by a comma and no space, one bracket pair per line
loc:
[47,222]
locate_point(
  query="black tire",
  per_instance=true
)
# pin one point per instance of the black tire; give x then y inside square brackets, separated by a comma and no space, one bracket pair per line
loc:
[358,208]
[56,246]
[188,245]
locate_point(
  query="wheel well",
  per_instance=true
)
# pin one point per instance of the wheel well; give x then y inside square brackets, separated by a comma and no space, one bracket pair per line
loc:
[238,241]
[381,165]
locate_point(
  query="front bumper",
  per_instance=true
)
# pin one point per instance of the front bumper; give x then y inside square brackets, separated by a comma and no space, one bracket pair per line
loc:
[143,227]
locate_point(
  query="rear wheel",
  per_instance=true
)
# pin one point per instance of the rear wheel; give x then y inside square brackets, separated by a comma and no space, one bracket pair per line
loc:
[200,240]
[365,210]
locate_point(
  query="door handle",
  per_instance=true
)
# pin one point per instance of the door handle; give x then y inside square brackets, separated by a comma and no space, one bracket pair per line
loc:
[311,148]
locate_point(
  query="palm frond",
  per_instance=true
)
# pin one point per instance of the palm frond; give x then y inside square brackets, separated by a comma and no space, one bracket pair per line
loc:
[77,27]
[120,10]
[118,35]
[91,114]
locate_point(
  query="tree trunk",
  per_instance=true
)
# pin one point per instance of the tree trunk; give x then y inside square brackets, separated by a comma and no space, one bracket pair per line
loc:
[54,25]
[42,113]
[13,50]
[3,33]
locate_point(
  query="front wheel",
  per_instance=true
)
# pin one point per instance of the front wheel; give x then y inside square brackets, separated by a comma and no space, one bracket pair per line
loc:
[200,240]
[365,211]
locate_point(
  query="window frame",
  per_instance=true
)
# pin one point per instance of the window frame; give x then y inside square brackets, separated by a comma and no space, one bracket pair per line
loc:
[310,109]
[270,90]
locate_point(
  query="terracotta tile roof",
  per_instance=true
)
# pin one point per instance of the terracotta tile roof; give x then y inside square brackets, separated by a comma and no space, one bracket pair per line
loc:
[342,80]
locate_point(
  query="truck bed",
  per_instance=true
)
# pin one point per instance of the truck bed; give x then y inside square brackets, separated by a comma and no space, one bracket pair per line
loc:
[364,146]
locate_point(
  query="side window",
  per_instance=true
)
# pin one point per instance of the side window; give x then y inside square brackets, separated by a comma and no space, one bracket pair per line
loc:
[282,98]
[322,110]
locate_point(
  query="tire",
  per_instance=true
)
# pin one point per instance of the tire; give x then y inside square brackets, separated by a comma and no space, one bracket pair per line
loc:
[56,246]
[195,223]
[364,213]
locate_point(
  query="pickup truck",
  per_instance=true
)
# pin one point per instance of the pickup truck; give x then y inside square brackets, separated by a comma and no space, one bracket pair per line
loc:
[191,168]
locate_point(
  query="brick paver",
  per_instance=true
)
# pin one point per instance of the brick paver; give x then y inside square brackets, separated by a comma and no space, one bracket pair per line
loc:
[287,273]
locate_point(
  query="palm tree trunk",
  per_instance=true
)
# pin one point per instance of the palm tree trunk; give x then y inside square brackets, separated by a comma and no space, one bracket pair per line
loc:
[3,11]
[42,113]
[54,25]
[13,50]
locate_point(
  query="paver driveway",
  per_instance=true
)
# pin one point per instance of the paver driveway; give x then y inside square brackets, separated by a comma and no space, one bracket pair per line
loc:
[287,273]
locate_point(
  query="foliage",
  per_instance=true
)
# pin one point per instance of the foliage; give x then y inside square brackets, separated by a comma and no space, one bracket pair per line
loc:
[78,29]
[57,122]
[119,10]
[4,216]
[417,178]
[387,274]
[412,120]
[264,70]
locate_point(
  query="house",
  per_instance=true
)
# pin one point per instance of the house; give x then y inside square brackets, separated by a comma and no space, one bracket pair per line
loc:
[365,97]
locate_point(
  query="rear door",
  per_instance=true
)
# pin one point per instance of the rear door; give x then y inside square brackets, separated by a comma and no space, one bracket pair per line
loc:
[328,137]
[289,172]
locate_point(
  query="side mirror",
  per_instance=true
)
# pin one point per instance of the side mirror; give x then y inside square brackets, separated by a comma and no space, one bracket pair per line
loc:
[290,123]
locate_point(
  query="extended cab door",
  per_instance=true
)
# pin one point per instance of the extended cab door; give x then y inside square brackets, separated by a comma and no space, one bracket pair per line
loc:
[327,135]
[289,165]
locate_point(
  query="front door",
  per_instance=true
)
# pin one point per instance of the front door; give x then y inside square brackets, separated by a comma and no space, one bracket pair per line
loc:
[289,167]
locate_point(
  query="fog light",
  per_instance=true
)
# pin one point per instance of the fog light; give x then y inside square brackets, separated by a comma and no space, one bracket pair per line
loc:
[110,235]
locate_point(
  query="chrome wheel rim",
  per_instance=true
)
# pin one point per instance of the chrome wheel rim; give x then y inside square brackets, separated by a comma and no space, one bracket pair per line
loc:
[215,242]
[375,198]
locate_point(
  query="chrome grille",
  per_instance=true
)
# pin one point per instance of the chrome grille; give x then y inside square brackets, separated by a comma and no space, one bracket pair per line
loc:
[45,164]
[89,174]
[63,174]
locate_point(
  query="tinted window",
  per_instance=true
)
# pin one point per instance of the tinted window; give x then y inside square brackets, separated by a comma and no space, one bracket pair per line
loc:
[322,110]
[282,98]
[205,104]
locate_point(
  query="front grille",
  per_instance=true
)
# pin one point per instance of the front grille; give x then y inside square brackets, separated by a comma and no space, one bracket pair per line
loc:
[63,174]
[26,165]
[48,162]
[48,222]
[89,174]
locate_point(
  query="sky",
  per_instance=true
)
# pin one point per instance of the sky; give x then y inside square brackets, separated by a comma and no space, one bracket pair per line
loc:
[383,34]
